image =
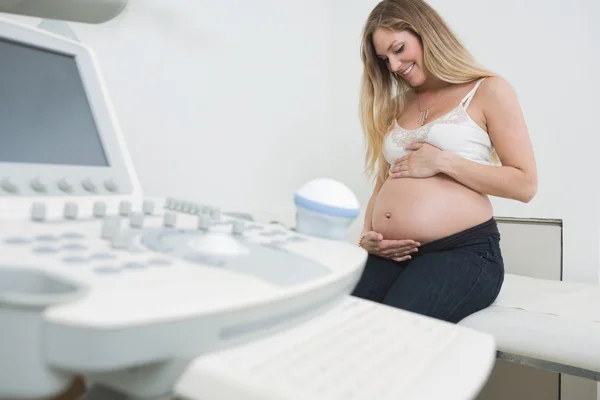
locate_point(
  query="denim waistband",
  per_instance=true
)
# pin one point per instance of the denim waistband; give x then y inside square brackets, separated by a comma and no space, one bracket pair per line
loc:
[487,228]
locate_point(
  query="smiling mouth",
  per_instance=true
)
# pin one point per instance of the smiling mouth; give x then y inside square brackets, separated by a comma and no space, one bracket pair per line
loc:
[407,70]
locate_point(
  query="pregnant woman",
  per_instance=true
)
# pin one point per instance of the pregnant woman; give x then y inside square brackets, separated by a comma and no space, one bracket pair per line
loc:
[442,134]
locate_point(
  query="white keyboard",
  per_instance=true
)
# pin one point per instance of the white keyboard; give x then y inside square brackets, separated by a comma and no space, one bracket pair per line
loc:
[358,350]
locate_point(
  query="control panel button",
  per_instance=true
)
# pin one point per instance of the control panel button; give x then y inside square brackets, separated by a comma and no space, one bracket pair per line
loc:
[65,185]
[9,186]
[70,210]
[110,227]
[170,219]
[124,208]
[111,185]
[136,220]
[38,212]
[203,221]
[89,185]
[99,209]
[38,185]
[148,207]
[238,227]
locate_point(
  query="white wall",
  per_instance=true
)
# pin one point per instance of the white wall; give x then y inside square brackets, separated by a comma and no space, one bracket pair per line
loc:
[220,101]
[237,103]
[546,54]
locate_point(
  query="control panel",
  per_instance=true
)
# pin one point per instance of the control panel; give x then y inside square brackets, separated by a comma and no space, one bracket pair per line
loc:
[111,288]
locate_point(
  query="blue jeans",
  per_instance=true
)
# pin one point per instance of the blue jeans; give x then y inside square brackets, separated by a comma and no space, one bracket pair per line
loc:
[447,279]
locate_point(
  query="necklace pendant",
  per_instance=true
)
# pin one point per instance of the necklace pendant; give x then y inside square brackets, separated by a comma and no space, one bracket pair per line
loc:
[422,116]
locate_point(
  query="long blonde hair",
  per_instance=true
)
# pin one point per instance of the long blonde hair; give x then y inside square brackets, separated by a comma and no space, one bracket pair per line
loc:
[383,93]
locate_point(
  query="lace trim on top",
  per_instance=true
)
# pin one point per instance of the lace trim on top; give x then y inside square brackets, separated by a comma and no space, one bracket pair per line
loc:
[402,137]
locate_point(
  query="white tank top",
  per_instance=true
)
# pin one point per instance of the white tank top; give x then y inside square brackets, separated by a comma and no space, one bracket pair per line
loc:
[455,132]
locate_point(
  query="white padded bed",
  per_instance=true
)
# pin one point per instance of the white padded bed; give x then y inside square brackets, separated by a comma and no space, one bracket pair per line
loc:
[553,325]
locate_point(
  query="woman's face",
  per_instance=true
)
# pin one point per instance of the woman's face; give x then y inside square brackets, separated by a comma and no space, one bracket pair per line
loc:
[403,54]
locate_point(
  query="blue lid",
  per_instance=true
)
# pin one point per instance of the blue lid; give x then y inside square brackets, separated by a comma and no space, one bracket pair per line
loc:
[326,209]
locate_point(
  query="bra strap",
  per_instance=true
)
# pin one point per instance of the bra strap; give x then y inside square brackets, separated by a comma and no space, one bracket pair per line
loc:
[471,94]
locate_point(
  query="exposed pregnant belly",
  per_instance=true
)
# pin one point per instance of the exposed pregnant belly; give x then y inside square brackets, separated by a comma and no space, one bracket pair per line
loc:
[427,209]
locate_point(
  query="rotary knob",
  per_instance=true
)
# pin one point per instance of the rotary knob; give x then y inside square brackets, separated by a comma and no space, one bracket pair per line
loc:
[38,185]
[89,185]
[9,186]
[111,185]
[65,185]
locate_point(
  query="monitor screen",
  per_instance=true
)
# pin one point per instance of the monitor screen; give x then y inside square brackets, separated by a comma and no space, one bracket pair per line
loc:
[45,115]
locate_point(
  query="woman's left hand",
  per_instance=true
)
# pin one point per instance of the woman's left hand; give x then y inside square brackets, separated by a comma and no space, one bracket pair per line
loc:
[422,162]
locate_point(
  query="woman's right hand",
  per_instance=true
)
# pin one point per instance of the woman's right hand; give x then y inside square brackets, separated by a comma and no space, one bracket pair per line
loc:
[397,250]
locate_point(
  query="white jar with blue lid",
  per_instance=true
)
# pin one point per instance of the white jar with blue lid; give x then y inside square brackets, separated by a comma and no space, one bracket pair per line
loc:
[325,208]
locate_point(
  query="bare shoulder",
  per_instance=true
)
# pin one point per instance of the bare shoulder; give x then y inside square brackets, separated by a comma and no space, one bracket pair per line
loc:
[496,89]
[498,100]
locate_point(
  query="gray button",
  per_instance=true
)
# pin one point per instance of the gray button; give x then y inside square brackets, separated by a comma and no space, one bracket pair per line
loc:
[103,256]
[159,262]
[9,186]
[107,270]
[238,227]
[38,212]
[71,210]
[111,185]
[75,260]
[203,221]
[136,220]
[110,227]
[134,265]
[170,219]
[45,250]
[74,246]
[89,185]
[16,240]
[99,209]
[200,209]
[38,185]
[46,238]
[124,208]
[148,207]
[65,185]
[72,235]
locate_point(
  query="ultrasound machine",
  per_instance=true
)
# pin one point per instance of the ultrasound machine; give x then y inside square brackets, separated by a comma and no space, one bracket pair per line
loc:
[151,298]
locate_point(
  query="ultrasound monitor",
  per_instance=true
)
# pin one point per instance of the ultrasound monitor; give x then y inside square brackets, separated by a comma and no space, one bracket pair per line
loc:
[57,131]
